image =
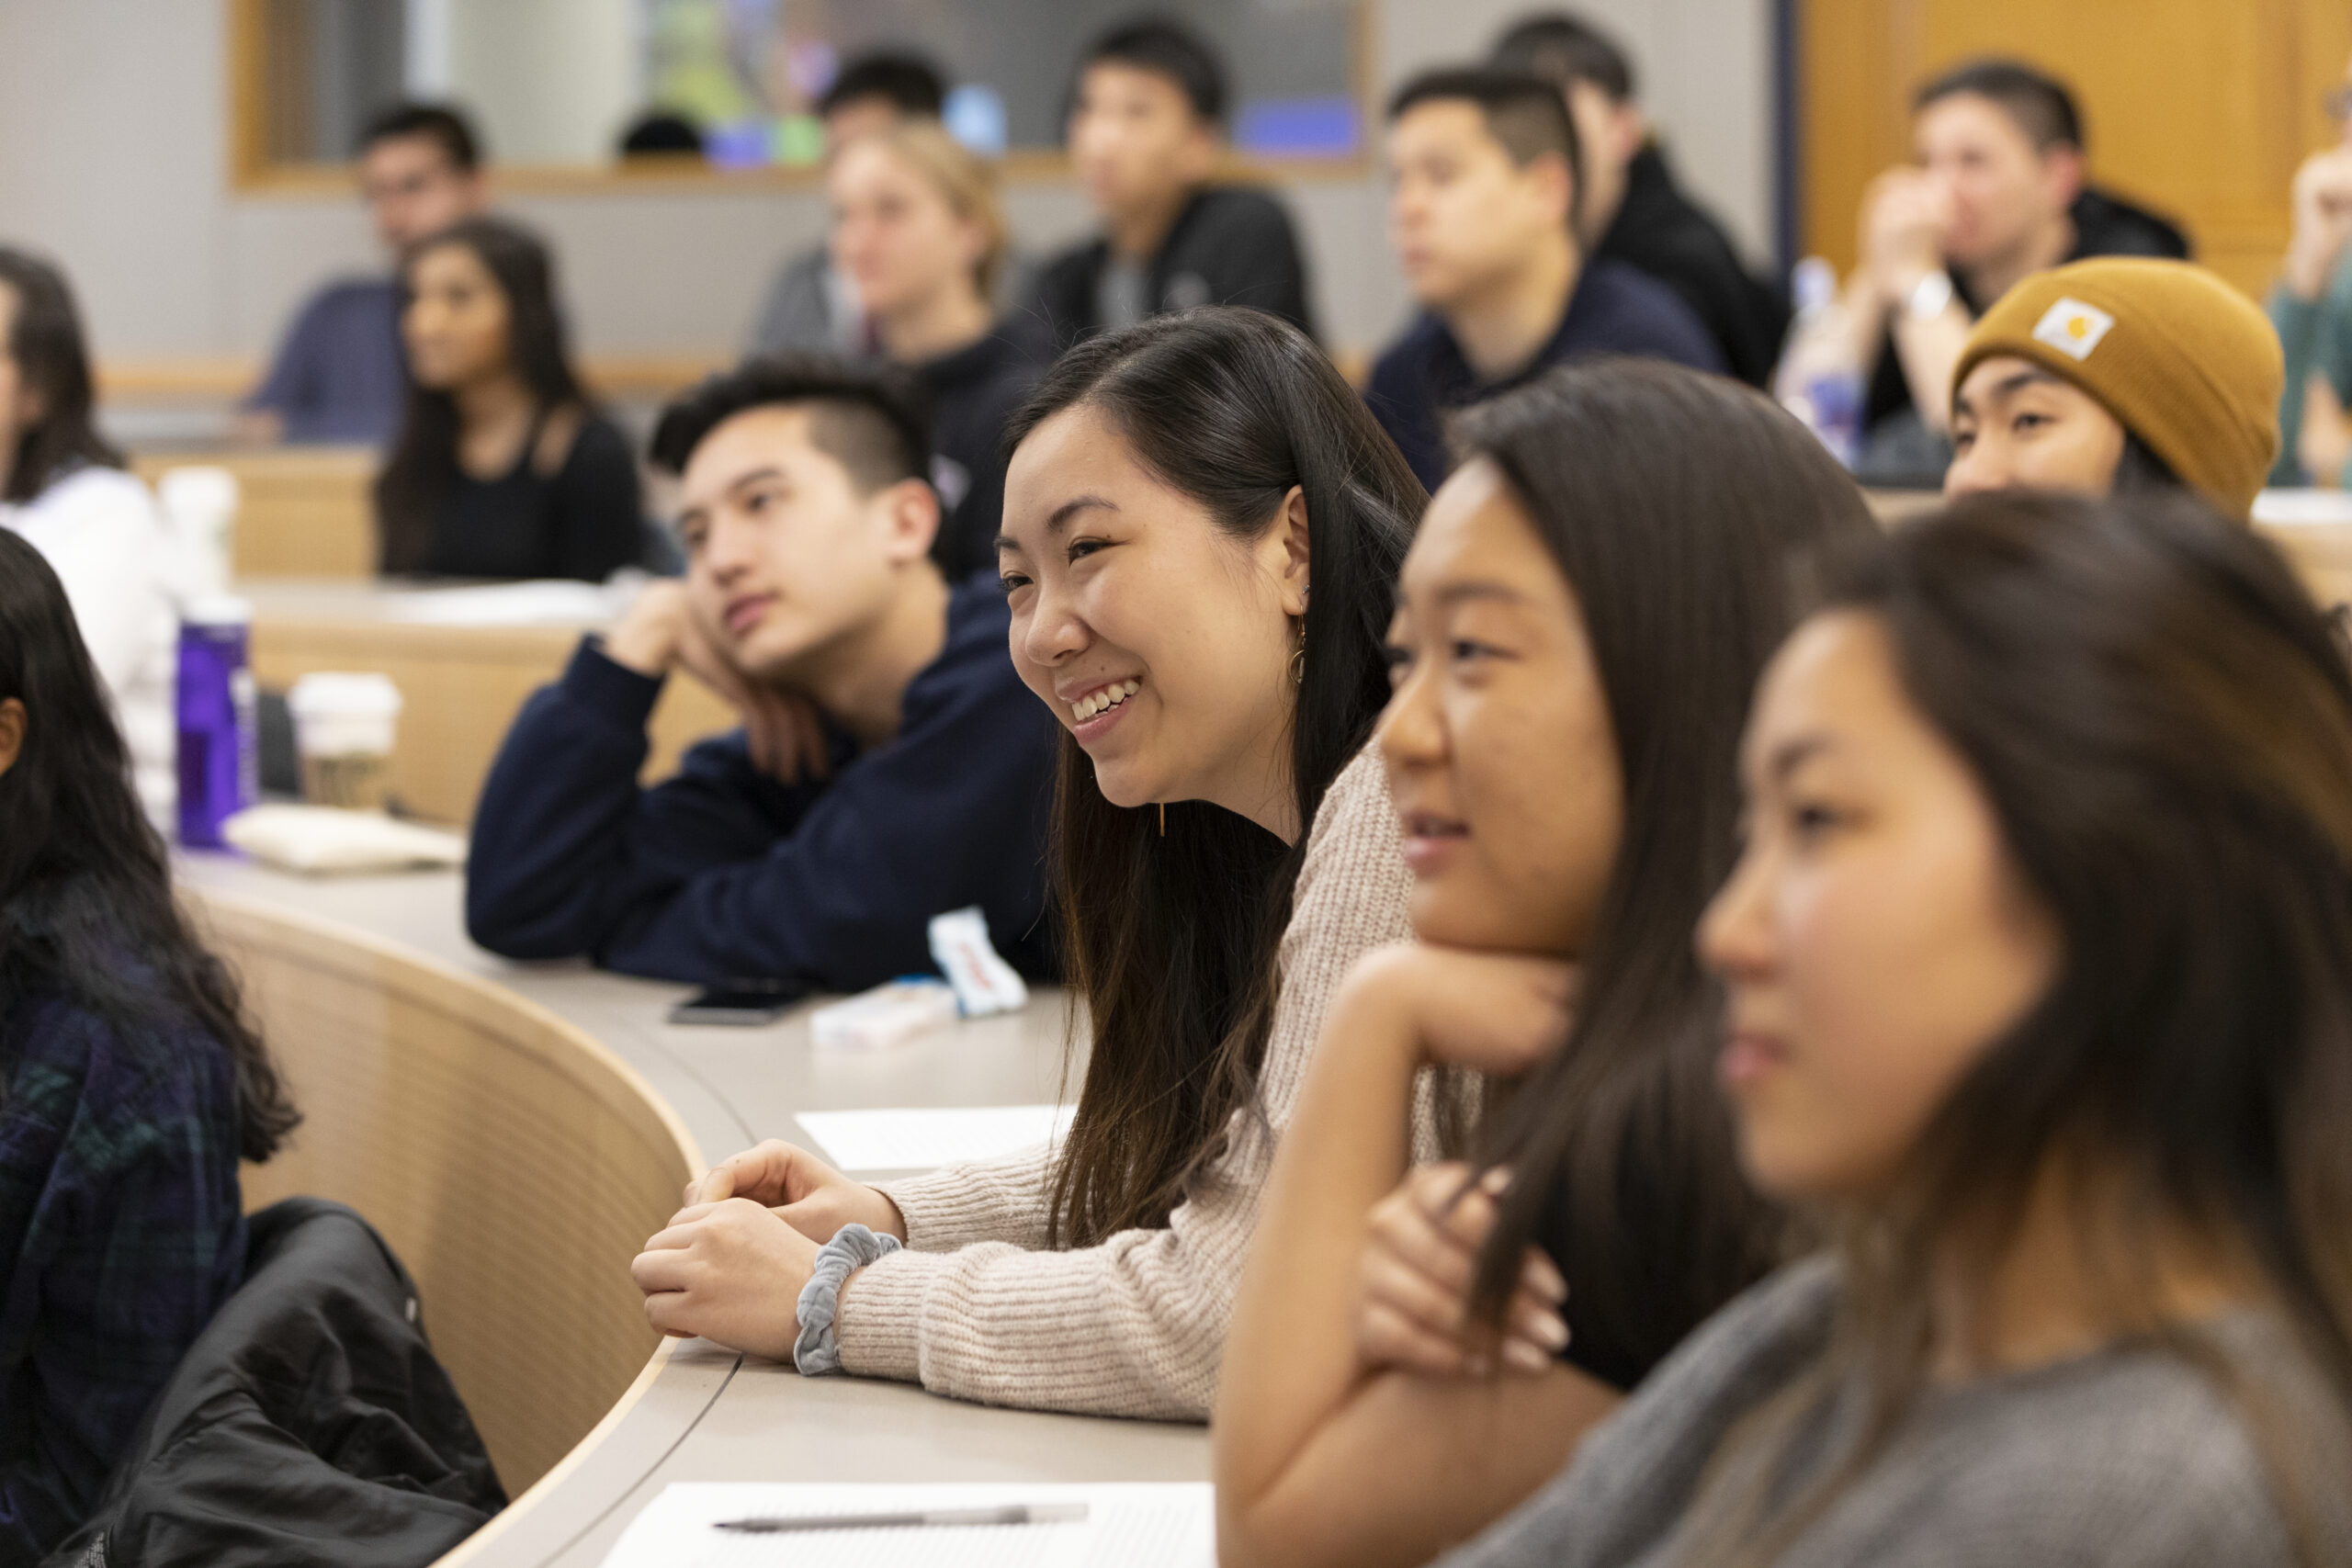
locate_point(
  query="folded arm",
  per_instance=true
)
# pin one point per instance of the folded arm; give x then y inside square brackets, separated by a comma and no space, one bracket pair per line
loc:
[1319,1455]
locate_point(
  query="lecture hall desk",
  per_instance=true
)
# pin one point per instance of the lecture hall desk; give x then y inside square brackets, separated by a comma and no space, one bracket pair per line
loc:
[499,1050]
[460,686]
[695,1413]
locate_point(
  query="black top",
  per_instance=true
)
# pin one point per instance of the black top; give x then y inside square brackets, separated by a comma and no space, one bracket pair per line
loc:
[583,521]
[1230,246]
[2104,226]
[1614,310]
[721,873]
[1661,231]
[974,392]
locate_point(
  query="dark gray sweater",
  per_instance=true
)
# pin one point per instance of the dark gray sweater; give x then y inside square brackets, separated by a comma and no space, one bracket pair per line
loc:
[2125,1457]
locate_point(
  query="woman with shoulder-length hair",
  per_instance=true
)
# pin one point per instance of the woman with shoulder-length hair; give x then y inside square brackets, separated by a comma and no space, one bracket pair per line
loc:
[130,1086]
[1579,632]
[1202,531]
[503,467]
[918,228]
[63,488]
[2039,963]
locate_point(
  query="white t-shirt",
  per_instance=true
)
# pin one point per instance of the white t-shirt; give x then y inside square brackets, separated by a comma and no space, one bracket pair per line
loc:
[103,535]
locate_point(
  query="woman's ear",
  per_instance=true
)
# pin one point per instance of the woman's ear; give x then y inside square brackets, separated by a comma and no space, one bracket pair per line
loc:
[1292,531]
[12,732]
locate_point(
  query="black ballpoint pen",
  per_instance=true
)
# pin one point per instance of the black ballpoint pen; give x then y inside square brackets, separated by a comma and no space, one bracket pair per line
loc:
[1011,1514]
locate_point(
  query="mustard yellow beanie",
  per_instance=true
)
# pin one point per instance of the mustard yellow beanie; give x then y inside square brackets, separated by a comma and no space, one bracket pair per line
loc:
[2182,360]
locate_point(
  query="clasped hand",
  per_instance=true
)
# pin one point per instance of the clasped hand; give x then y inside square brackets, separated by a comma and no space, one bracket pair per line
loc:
[730,1265]
[1495,1013]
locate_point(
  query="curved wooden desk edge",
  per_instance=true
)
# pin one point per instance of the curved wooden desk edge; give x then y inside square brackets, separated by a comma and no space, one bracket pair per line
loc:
[482,1539]
[689,1151]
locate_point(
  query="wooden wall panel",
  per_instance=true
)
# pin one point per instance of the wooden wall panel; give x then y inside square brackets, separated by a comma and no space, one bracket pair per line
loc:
[2200,109]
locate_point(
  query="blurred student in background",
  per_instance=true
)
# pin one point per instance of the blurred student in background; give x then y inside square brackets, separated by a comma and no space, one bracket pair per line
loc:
[892,767]
[502,468]
[340,373]
[1147,129]
[2045,1007]
[2119,373]
[1998,189]
[1579,632]
[130,1086]
[1484,169]
[1202,531]
[812,307]
[2311,307]
[917,228]
[1632,208]
[62,487]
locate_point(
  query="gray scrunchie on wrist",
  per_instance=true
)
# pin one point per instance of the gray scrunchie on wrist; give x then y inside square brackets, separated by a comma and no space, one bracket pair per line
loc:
[818,1349]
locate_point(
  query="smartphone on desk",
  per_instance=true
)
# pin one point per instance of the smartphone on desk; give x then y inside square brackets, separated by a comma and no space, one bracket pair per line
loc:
[738,1003]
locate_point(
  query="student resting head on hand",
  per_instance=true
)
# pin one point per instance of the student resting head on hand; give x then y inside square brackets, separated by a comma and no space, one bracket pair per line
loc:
[891,767]
[2119,373]
[1579,630]
[1202,527]
[2038,960]
[130,1086]
[503,467]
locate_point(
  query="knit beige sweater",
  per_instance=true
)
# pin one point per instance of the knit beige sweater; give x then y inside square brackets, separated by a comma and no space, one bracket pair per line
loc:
[977,1308]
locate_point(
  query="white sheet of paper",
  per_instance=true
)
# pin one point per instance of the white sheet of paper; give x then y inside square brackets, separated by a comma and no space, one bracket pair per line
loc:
[2302,508]
[1136,1526]
[931,1136]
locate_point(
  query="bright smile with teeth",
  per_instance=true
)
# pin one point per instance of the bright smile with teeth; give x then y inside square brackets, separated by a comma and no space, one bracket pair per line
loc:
[1104,701]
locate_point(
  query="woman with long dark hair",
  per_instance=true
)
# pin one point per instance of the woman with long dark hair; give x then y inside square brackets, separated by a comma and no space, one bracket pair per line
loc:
[1579,632]
[130,1086]
[502,468]
[62,487]
[1202,527]
[2039,962]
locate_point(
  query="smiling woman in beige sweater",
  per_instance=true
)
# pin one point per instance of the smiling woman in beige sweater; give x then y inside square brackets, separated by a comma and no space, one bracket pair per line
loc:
[1202,531]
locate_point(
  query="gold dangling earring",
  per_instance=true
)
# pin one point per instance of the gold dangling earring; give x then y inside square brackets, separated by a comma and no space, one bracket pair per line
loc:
[1163,819]
[1298,665]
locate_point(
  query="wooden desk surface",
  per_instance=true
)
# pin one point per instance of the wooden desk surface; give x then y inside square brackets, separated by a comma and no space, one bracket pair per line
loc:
[701,1413]
[461,685]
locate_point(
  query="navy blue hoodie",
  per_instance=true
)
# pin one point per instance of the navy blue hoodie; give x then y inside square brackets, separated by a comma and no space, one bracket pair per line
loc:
[722,873]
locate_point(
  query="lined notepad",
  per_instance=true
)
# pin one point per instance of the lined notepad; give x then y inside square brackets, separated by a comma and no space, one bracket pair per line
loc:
[1138,1525]
[925,1138]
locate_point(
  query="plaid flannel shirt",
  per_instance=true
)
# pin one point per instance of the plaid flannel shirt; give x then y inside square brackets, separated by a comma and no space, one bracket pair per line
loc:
[121,1233]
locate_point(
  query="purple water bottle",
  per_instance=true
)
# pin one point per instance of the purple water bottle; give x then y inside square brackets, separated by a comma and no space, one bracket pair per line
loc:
[216,717]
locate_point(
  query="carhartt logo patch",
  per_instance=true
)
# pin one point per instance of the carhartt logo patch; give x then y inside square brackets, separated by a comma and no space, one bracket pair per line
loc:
[2073,327]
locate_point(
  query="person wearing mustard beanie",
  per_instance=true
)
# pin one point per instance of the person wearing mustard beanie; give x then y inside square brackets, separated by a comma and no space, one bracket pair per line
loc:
[2119,373]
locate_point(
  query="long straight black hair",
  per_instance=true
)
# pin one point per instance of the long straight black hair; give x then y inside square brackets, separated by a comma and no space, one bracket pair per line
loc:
[1678,506]
[1172,940]
[424,463]
[46,345]
[85,892]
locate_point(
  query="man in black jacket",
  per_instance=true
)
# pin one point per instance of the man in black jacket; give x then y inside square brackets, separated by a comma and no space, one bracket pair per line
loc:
[1998,189]
[1632,208]
[1146,129]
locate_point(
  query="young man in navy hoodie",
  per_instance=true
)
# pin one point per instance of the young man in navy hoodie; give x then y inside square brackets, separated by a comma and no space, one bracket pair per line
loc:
[891,766]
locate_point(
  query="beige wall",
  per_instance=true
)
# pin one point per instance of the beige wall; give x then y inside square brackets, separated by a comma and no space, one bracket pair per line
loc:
[112,158]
